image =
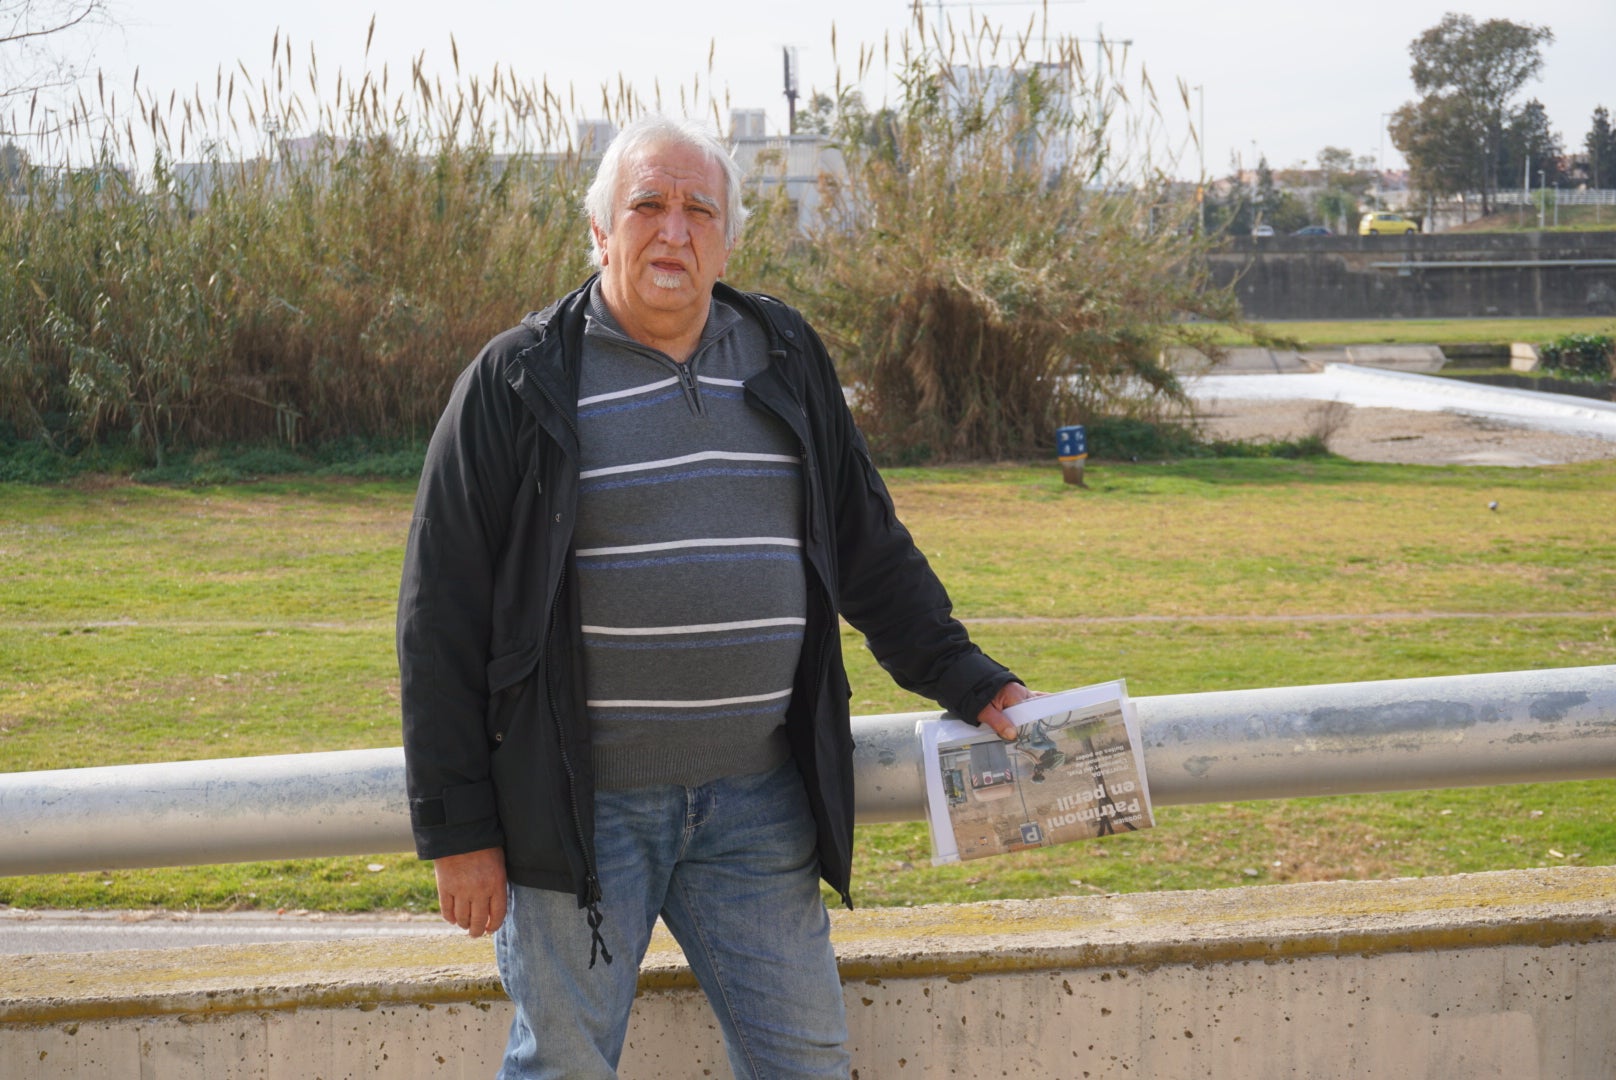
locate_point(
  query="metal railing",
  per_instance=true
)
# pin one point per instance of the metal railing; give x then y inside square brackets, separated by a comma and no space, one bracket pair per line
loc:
[1563,196]
[1449,731]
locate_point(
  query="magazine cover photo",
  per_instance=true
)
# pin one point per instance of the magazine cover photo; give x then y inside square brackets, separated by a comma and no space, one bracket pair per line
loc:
[1070,775]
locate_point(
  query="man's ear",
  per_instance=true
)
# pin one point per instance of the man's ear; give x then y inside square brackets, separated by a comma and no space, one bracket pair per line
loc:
[600,239]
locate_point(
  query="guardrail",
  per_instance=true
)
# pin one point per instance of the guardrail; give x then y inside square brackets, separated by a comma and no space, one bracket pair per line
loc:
[1334,739]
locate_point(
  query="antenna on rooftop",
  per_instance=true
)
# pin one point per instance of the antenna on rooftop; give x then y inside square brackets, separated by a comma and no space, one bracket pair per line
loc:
[790,55]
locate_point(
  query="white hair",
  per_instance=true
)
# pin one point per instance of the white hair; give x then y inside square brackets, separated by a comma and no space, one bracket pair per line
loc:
[651,130]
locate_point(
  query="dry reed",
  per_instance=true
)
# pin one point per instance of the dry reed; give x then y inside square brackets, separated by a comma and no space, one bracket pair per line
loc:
[999,256]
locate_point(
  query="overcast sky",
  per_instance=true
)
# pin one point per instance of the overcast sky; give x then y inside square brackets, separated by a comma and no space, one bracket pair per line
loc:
[1280,79]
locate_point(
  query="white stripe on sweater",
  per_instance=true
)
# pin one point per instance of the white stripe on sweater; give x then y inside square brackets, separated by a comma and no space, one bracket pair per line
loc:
[636,703]
[595,399]
[698,542]
[696,628]
[668,463]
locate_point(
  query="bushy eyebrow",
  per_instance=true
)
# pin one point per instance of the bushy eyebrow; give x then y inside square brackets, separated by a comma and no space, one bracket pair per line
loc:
[645,194]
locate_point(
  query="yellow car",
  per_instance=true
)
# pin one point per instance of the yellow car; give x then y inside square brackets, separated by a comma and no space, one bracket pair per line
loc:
[1377,222]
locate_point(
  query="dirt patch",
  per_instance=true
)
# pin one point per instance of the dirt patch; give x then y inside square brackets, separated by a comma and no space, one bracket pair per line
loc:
[1399,436]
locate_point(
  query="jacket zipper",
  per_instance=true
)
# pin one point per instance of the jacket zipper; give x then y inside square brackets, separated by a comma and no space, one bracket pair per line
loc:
[810,526]
[592,893]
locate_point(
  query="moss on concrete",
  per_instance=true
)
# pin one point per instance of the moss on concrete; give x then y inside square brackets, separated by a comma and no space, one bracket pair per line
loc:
[1141,930]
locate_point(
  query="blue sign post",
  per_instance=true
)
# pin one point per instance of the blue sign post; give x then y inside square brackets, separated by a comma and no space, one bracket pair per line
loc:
[1072,447]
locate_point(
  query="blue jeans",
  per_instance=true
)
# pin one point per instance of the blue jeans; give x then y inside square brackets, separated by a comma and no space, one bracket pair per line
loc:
[731,867]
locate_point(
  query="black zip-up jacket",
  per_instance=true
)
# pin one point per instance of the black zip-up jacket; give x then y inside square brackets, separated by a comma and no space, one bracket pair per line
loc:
[496,744]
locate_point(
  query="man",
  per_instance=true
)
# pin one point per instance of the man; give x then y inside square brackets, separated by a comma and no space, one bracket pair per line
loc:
[623,693]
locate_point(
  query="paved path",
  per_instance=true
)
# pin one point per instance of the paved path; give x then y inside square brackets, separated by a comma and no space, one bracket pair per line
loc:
[26,932]
[1368,414]
[1371,387]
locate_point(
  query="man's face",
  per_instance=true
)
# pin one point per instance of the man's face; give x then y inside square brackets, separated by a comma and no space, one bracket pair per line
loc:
[666,247]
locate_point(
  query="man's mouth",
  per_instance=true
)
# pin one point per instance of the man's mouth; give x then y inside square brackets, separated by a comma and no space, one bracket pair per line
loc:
[667,275]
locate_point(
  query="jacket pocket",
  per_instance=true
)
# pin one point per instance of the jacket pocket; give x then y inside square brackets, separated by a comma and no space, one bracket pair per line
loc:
[507,674]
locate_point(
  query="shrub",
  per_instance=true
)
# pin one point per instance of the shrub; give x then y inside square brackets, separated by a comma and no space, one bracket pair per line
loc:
[1581,356]
[332,288]
[1001,257]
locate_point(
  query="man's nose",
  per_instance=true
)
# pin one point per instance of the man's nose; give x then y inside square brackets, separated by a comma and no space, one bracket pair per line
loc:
[675,227]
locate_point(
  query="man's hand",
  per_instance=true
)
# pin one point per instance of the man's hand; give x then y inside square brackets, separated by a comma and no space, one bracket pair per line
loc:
[471,890]
[992,713]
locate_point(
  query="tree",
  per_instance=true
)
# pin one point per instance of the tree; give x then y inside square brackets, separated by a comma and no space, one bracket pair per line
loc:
[13,167]
[1531,147]
[1600,143]
[849,122]
[1467,73]
[31,57]
[1229,206]
[1435,137]
[1274,205]
[1346,179]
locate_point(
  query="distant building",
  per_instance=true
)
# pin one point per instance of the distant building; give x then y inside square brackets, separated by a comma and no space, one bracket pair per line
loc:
[806,167]
[1047,148]
[747,124]
[594,136]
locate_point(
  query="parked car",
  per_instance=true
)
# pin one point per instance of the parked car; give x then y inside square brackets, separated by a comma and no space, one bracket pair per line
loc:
[1313,230]
[1263,230]
[1379,222]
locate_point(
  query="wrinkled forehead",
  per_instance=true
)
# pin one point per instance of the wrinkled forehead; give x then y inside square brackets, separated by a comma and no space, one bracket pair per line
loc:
[672,168]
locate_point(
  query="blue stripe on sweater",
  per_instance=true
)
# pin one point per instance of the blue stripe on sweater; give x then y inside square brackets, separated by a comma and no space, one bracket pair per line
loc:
[641,480]
[587,562]
[589,412]
[603,641]
[679,715]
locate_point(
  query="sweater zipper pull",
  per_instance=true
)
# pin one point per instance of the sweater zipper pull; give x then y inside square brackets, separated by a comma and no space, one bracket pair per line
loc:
[692,391]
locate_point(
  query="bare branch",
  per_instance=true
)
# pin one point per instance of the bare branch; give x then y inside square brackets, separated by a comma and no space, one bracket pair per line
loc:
[21,10]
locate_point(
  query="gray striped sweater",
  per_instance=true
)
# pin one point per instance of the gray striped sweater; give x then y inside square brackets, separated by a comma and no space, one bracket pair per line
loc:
[689,556]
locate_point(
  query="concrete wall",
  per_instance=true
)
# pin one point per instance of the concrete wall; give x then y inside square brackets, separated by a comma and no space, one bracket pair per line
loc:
[1449,275]
[1489,975]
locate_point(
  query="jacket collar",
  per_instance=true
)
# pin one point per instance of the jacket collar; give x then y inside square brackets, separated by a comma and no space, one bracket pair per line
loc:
[545,373]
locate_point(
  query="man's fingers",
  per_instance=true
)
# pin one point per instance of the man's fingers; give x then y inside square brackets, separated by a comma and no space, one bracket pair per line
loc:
[477,917]
[446,905]
[496,912]
[471,890]
[992,713]
[1000,723]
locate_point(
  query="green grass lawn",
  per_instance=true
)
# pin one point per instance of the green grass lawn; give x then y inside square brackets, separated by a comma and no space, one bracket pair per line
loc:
[1317,334]
[147,623]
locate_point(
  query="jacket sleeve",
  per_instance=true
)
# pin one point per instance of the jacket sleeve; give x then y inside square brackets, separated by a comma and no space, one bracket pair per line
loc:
[888,590]
[444,613]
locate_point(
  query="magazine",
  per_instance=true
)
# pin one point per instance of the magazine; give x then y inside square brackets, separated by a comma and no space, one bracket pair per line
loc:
[1076,771]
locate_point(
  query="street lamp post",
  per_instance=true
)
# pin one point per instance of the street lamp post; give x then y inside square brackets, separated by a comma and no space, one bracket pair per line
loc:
[1200,98]
[1380,161]
[1200,142]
